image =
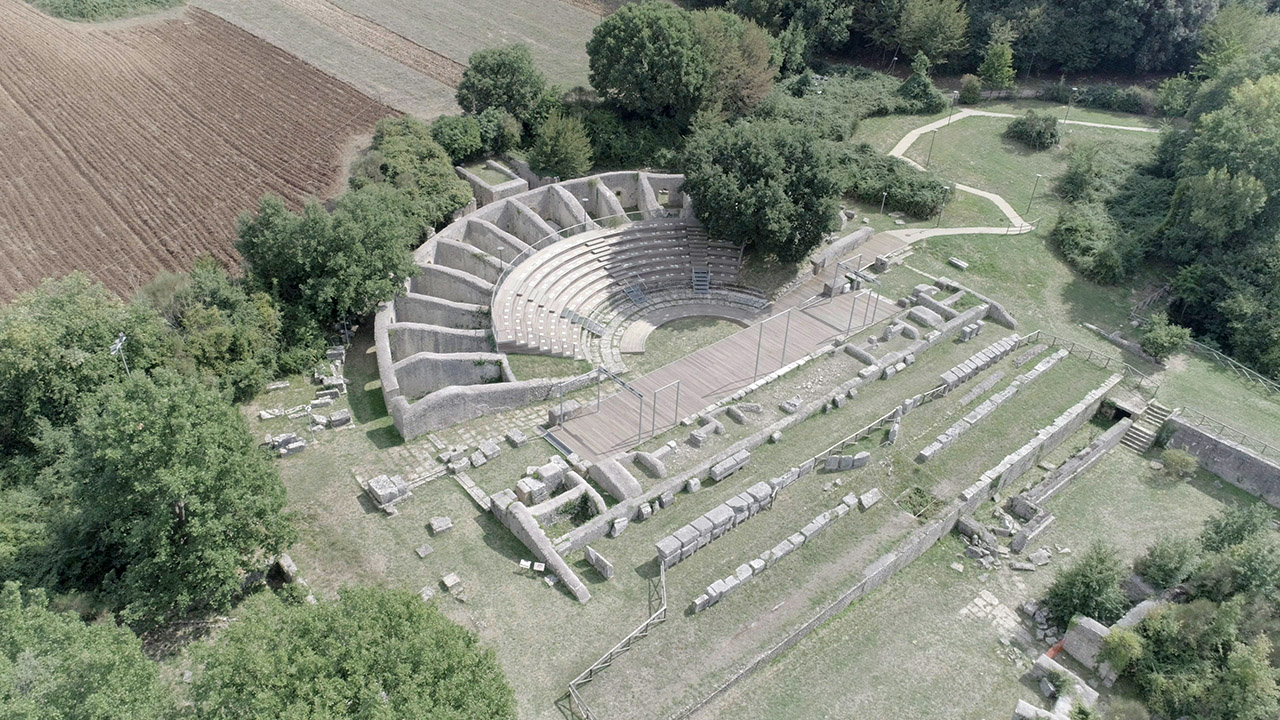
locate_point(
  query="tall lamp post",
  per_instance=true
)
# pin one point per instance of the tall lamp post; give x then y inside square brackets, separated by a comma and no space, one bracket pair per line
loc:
[1034,186]
[883,196]
[1070,98]
[933,136]
[955,98]
[117,348]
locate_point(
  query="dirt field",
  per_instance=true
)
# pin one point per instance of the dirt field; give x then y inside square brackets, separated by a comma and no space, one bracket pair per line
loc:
[130,148]
[411,54]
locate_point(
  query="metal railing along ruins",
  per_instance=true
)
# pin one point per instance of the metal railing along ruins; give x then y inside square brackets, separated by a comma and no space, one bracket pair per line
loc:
[657,613]
[1248,375]
[1226,432]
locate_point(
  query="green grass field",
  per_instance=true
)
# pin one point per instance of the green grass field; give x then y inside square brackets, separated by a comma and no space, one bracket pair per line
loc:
[907,646]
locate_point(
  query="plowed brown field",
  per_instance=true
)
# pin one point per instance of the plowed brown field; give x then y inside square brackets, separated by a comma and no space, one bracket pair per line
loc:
[127,150]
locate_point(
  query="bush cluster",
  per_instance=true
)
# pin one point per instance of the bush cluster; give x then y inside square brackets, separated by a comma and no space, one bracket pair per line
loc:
[1088,239]
[1035,130]
[1104,96]
[970,89]
[867,175]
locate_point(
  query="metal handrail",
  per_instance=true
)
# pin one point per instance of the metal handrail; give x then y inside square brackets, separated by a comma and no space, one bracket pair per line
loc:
[1195,417]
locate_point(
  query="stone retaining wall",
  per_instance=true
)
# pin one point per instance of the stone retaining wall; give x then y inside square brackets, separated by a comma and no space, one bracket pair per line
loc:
[1257,475]
[1024,458]
[1081,461]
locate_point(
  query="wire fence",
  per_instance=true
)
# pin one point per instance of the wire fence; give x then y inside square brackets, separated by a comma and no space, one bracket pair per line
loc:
[1248,375]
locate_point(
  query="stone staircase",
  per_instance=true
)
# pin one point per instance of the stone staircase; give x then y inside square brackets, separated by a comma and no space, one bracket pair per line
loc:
[1142,434]
[701,280]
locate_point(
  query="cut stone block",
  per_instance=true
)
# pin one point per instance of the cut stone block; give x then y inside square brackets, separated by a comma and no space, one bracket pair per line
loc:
[869,498]
[441,525]
[424,550]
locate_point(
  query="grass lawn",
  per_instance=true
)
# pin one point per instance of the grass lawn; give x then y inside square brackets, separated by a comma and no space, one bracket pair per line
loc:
[908,646]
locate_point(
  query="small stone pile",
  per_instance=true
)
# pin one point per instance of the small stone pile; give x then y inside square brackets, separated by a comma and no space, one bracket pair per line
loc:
[286,444]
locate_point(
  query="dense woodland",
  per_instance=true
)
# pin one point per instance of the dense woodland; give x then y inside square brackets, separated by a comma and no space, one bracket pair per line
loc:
[135,499]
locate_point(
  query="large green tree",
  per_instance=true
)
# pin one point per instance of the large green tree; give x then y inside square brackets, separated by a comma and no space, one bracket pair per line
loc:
[768,185]
[647,57]
[502,77]
[937,28]
[170,502]
[372,654]
[55,345]
[330,267]
[742,66]
[562,149]
[55,667]
[1090,586]
[405,157]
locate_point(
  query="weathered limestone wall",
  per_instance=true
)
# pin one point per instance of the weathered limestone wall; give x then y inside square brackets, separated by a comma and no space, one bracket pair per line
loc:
[429,310]
[1078,463]
[520,220]
[411,338]
[460,403]
[839,248]
[426,372]
[484,192]
[517,518]
[1019,461]
[451,284]
[1257,475]
[468,259]
[493,239]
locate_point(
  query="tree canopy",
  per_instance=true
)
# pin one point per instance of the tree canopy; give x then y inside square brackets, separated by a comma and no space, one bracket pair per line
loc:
[647,58]
[55,345]
[502,77]
[937,28]
[769,185]
[330,267]
[562,149]
[55,667]
[373,653]
[169,502]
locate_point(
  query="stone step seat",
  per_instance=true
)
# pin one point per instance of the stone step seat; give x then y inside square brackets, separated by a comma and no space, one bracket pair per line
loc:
[533,296]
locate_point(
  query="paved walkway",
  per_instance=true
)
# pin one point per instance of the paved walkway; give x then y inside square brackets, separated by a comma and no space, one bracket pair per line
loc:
[1017,225]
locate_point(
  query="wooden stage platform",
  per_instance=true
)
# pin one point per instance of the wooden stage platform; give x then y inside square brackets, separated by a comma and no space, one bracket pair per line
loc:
[802,317]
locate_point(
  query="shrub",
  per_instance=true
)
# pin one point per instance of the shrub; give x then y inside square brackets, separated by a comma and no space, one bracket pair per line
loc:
[619,141]
[1089,586]
[1105,96]
[1169,561]
[1234,525]
[1035,130]
[922,98]
[1161,338]
[459,135]
[832,106]
[970,89]
[1089,240]
[562,149]
[411,162]
[1121,649]
[867,175]
[1178,463]
[499,131]
[503,78]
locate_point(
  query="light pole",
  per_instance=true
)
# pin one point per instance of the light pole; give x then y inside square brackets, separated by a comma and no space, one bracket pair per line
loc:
[955,98]
[1070,98]
[895,62]
[883,196]
[1034,186]
[933,136]
[117,348]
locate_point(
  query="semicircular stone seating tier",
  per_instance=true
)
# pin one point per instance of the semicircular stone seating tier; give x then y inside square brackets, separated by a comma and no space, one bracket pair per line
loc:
[548,271]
